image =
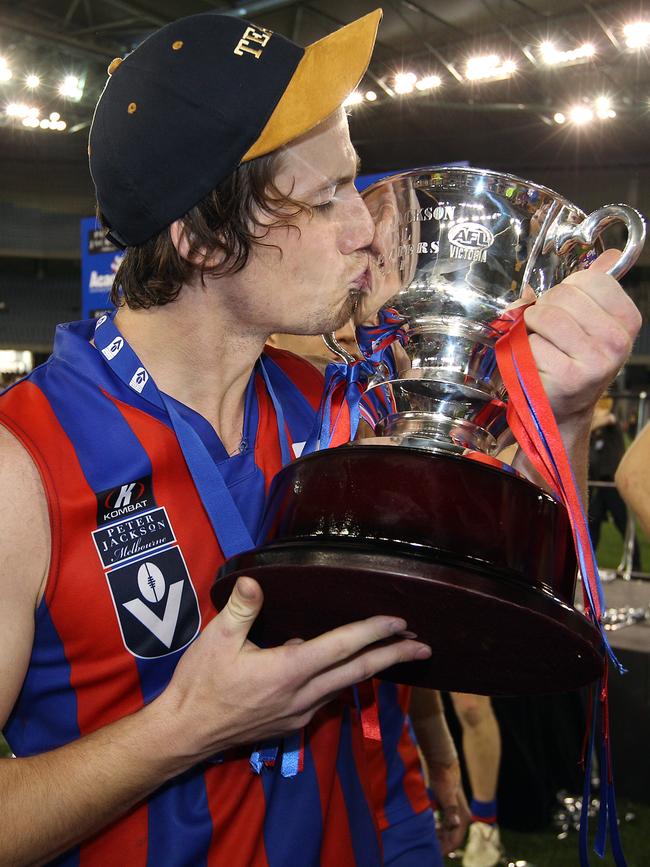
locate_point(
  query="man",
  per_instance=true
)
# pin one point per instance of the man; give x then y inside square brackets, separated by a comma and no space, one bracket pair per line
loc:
[223,164]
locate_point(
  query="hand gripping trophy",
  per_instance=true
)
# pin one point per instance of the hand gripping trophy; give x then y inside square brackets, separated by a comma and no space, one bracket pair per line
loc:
[421,519]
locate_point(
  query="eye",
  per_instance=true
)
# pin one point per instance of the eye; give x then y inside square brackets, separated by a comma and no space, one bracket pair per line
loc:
[323,206]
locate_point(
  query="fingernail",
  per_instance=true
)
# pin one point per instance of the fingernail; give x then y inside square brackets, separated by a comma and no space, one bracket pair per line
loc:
[397,626]
[246,587]
[406,633]
[424,652]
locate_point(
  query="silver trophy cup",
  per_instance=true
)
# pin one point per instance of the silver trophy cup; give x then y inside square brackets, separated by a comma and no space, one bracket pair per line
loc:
[422,520]
[454,248]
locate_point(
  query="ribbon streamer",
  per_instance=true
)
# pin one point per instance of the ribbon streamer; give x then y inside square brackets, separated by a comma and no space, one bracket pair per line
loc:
[345,384]
[533,424]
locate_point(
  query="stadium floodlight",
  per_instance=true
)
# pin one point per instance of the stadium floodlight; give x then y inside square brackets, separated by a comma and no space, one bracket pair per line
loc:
[428,82]
[353,99]
[489,66]
[404,82]
[71,87]
[637,34]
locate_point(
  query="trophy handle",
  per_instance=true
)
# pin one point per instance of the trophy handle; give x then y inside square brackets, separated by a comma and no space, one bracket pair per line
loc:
[334,346]
[595,224]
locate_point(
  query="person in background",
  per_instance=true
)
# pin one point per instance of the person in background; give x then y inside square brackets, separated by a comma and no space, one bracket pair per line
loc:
[633,478]
[606,450]
[482,754]
[420,708]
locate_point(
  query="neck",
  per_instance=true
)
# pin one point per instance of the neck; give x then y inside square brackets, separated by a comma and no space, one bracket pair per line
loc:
[197,354]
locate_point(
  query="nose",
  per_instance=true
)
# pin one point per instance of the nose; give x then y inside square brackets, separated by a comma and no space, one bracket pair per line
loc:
[358,229]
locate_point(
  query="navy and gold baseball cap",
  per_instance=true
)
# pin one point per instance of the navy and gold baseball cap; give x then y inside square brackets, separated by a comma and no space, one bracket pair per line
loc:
[202,95]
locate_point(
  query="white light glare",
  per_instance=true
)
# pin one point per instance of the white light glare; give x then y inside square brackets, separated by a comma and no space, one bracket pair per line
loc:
[604,109]
[30,121]
[551,55]
[20,110]
[5,72]
[580,114]
[71,87]
[428,82]
[371,96]
[637,34]
[558,117]
[489,66]
[32,81]
[404,82]
[353,99]
[55,115]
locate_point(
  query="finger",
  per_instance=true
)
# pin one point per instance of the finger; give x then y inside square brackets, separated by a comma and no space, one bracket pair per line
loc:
[605,291]
[572,318]
[346,641]
[450,817]
[568,379]
[450,840]
[365,664]
[235,619]
[527,296]
[606,260]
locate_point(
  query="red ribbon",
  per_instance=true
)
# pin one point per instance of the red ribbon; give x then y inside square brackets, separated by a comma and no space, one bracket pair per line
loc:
[531,420]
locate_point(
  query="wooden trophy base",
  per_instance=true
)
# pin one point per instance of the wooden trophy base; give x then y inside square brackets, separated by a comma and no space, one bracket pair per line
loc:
[479,562]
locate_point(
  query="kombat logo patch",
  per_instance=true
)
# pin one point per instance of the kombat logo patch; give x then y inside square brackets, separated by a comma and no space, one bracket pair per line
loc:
[133,536]
[156,604]
[125,500]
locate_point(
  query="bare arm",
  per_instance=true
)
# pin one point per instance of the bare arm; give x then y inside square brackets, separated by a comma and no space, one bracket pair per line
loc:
[442,766]
[633,478]
[225,692]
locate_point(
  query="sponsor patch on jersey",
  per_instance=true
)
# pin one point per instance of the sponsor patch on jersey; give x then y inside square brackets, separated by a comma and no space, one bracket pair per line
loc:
[132,536]
[155,603]
[125,500]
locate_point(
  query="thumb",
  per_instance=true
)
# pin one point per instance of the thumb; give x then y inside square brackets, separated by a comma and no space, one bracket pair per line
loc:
[244,604]
[606,260]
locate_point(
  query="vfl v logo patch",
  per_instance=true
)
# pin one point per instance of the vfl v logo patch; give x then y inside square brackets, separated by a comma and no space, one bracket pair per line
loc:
[155,603]
[151,582]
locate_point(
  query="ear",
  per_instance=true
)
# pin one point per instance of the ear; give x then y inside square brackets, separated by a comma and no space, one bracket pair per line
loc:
[178,235]
[179,239]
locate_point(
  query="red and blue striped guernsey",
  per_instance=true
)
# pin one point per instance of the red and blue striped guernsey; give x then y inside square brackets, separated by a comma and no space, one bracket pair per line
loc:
[128,525]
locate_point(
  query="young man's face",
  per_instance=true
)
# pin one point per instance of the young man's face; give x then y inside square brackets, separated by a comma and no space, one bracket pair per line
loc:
[309,276]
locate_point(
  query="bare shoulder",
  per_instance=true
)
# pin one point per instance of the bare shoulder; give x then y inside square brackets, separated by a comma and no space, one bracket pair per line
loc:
[636,460]
[24,562]
[24,521]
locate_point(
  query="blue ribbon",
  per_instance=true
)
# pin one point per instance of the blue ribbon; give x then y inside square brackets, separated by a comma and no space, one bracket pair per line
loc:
[225,517]
[374,341]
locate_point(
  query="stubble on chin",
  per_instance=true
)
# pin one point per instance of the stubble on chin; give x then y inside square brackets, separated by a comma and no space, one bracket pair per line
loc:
[332,322]
[346,313]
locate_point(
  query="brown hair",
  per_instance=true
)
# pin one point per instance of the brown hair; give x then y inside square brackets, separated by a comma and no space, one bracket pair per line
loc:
[224,224]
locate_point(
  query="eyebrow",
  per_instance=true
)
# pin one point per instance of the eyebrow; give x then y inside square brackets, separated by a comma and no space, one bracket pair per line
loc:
[342,179]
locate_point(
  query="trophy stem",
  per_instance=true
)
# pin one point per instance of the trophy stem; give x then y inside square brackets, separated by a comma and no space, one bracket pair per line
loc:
[436,432]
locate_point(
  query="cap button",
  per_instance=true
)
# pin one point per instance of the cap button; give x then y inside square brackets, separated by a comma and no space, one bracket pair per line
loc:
[112,66]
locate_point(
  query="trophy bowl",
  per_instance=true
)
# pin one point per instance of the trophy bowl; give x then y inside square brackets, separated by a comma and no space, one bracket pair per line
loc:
[422,519]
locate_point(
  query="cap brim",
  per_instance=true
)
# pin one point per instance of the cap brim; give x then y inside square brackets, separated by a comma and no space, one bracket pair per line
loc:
[329,71]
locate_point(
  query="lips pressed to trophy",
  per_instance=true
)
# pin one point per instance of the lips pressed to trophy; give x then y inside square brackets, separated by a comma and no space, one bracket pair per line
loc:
[422,520]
